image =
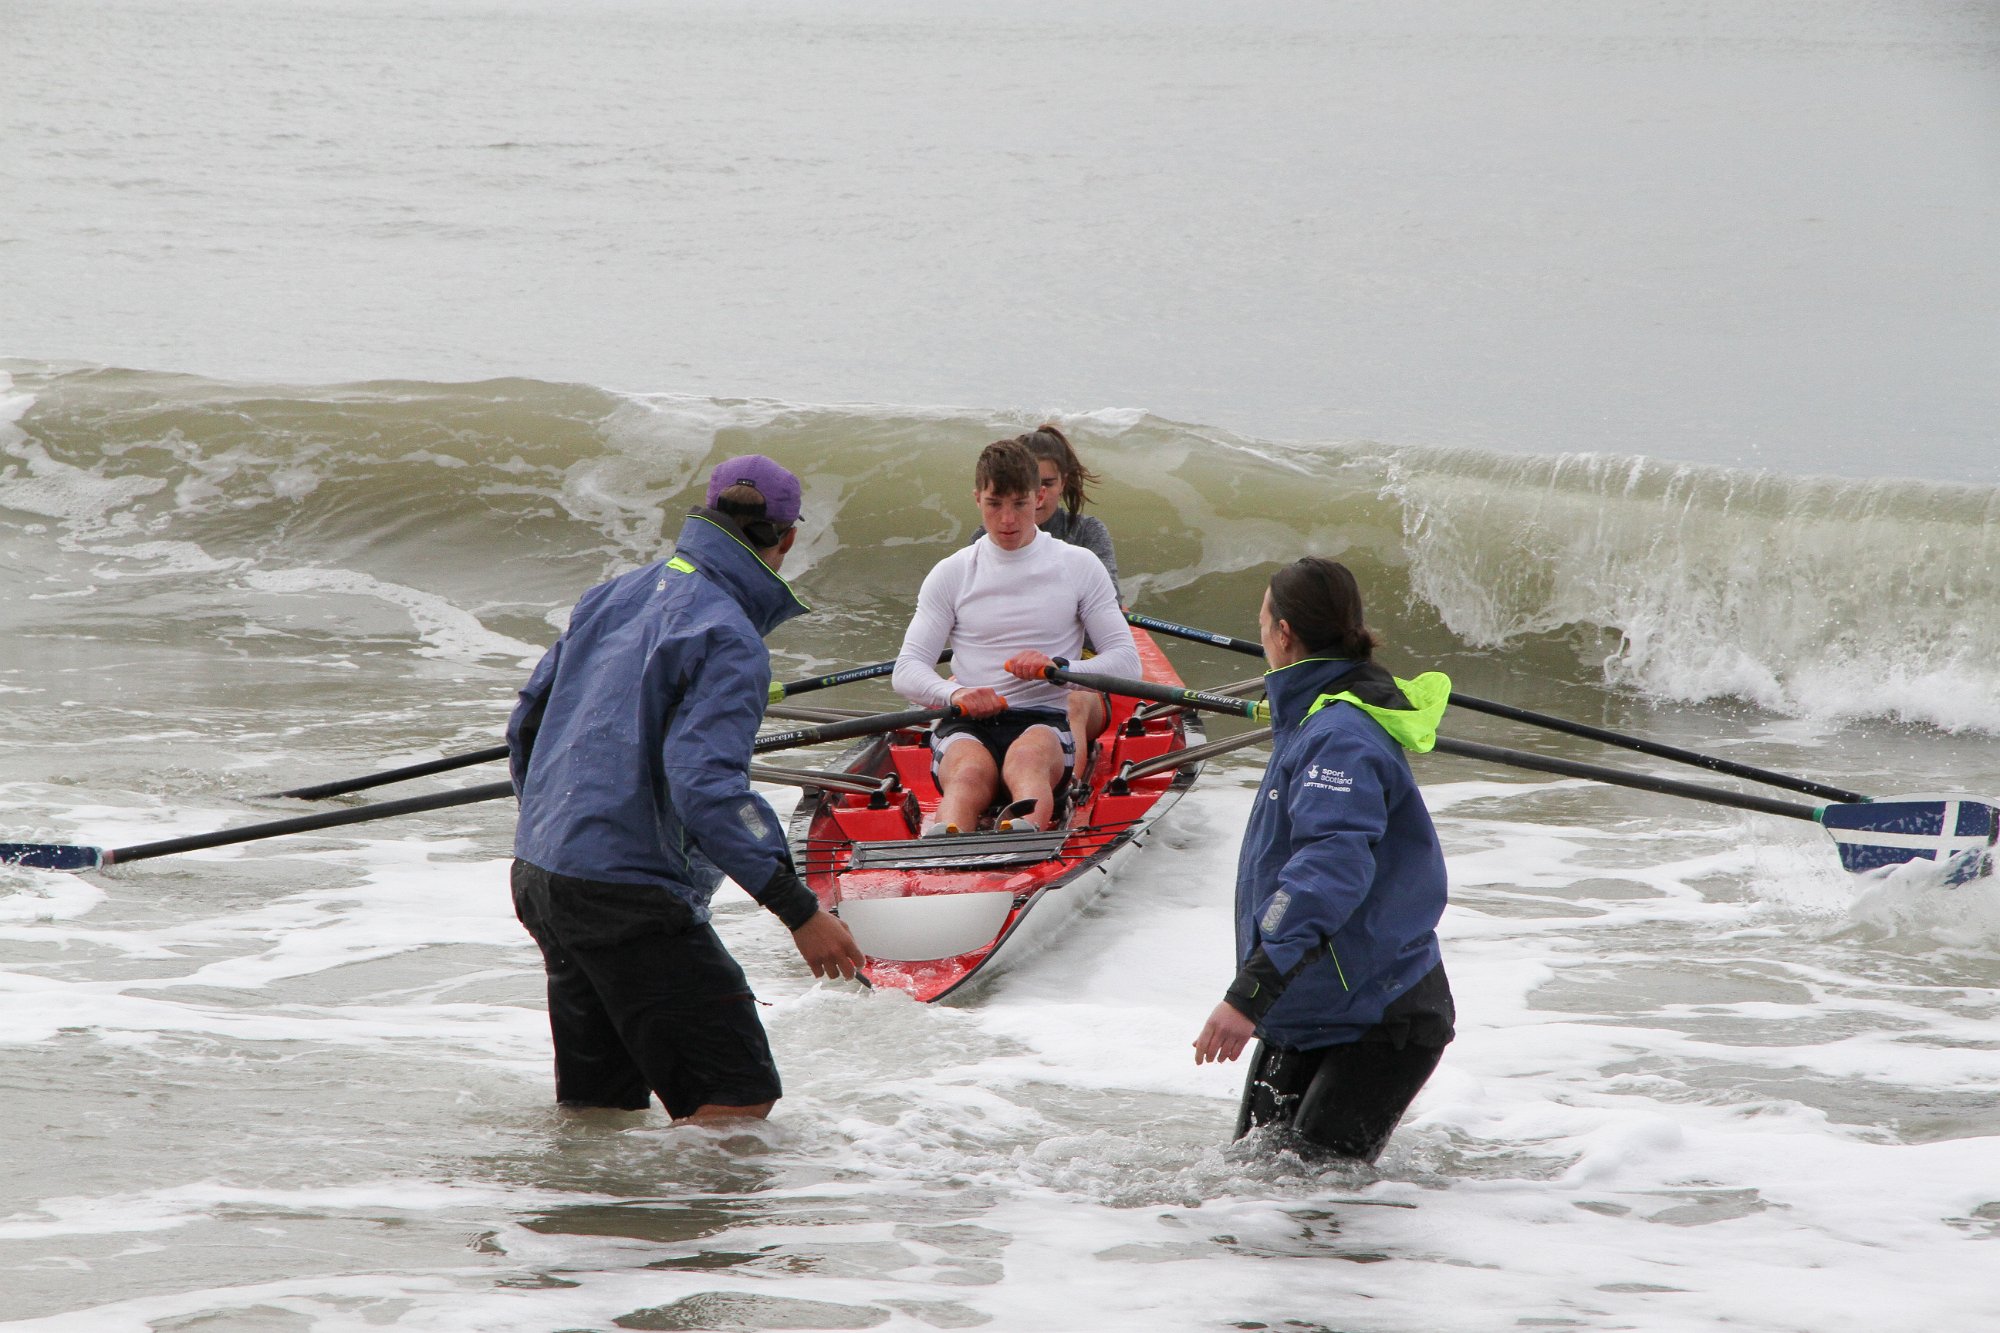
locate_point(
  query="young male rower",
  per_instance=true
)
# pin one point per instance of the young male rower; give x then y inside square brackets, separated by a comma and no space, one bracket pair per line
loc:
[1005,606]
[630,750]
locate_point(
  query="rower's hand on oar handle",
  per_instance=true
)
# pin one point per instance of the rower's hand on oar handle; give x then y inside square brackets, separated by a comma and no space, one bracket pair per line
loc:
[1030,665]
[828,946]
[1224,1036]
[980,702]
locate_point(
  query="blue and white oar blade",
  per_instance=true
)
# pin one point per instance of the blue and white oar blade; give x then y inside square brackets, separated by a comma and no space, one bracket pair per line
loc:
[1957,831]
[50,856]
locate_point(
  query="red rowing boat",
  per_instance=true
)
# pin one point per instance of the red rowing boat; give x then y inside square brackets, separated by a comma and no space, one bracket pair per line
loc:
[934,913]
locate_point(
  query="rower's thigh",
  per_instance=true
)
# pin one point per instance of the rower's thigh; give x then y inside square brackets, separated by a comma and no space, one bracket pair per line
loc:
[966,768]
[1037,755]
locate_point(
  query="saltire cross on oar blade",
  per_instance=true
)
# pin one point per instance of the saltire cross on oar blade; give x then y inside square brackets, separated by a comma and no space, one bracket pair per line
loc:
[1957,832]
[66,856]
[1950,830]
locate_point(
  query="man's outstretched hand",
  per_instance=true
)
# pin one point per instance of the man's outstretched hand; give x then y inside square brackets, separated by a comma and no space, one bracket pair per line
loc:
[828,946]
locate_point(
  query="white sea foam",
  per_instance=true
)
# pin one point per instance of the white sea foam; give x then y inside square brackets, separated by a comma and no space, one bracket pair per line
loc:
[158,559]
[13,406]
[446,630]
[1593,1148]
[55,489]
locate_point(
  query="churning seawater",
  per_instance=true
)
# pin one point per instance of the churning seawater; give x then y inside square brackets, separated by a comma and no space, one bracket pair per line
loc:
[304,1084]
[1703,1078]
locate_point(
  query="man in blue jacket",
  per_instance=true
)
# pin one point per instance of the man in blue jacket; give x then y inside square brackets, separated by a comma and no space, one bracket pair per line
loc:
[1340,884]
[630,750]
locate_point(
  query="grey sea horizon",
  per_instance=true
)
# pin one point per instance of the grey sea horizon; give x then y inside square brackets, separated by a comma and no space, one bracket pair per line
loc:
[1757,236]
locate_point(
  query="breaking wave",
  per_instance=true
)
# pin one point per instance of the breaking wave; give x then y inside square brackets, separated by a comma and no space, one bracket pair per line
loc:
[482,508]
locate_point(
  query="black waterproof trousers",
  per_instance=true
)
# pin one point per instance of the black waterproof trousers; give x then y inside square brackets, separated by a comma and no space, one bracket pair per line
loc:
[1344,1100]
[642,999]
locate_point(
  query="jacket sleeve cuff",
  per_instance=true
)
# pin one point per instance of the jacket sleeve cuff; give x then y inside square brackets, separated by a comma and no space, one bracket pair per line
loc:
[786,897]
[1257,986]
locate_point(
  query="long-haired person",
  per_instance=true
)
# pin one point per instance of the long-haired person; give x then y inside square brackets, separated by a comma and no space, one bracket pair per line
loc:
[1339,886]
[1062,489]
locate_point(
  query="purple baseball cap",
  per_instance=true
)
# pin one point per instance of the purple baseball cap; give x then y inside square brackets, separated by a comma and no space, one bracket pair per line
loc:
[779,488]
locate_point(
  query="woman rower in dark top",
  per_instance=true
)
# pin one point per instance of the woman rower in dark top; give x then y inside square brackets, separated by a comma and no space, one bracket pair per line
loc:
[1063,491]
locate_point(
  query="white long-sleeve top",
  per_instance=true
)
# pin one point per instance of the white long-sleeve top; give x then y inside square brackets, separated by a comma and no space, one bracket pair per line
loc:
[986,605]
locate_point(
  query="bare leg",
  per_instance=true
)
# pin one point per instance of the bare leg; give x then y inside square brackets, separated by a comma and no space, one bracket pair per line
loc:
[1034,766]
[968,781]
[1086,721]
[711,1114]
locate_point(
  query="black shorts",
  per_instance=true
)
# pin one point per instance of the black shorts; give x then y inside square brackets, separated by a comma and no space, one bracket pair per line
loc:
[999,732]
[643,999]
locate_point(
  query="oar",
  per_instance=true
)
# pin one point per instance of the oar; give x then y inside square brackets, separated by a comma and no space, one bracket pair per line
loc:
[387,776]
[1256,710]
[1193,635]
[781,690]
[847,730]
[1869,834]
[858,784]
[807,713]
[1952,831]
[847,677]
[1639,744]
[65,856]
[1240,689]
[340,787]
[61,856]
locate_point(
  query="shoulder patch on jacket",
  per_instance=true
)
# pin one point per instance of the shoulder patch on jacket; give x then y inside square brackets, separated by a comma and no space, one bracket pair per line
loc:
[1318,777]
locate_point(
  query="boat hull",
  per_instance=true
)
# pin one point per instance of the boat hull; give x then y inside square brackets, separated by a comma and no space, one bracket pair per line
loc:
[937,915]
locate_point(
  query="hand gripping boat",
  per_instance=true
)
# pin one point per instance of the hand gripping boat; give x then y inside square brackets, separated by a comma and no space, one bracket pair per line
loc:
[933,913]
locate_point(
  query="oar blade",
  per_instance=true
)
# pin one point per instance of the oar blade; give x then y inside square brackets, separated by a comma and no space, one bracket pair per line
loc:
[1953,831]
[50,856]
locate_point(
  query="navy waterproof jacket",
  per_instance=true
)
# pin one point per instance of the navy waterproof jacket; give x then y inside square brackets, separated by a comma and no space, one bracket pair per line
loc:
[630,744]
[1341,881]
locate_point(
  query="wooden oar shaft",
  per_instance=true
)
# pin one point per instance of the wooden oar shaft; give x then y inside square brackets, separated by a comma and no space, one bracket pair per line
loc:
[491,791]
[1570,768]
